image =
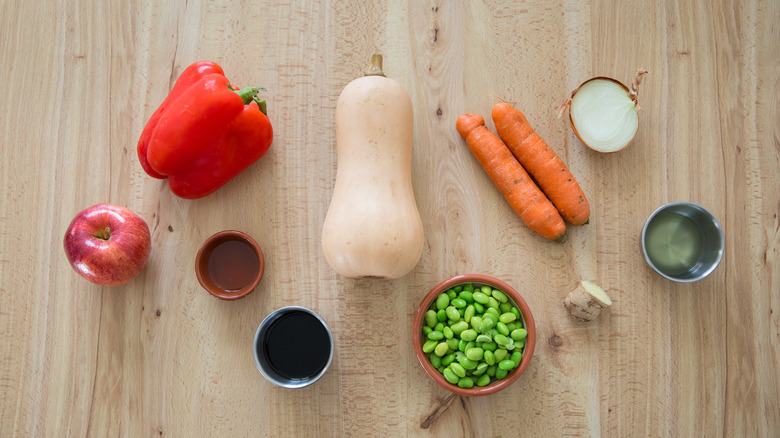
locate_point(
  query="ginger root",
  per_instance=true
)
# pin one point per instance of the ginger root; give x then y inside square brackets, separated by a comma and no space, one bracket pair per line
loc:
[587,301]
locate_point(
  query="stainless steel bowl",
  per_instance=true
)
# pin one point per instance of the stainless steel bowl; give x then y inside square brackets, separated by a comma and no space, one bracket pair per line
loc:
[712,241]
[262,361]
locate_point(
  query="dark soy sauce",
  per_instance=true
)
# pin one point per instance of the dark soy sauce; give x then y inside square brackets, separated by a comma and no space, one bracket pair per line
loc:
[233,264]
[297,345]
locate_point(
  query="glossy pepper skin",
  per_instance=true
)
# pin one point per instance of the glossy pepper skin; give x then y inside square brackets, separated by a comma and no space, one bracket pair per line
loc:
[204,133]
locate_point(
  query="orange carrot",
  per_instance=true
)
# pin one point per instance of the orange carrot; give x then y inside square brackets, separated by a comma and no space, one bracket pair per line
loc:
[542,163]
[509,177]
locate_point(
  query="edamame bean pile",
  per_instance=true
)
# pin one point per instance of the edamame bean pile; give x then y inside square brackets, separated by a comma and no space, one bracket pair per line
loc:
[473,335]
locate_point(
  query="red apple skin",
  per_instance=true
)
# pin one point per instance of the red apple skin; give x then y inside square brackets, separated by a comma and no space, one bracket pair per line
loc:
[110,262]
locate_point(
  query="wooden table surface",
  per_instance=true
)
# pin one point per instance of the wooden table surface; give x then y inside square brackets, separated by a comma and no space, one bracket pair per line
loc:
[161,357]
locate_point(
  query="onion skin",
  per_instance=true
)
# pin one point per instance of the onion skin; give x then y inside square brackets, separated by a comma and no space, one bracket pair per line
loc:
[631,94]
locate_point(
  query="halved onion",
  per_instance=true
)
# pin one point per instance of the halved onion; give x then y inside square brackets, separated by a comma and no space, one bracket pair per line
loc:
[604,113]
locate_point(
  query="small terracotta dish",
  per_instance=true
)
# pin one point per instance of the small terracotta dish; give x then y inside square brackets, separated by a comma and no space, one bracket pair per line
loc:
[528,323]
[229,265]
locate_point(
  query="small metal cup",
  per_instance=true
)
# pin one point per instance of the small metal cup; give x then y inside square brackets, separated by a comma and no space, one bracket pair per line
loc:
[262,361]
[712,241]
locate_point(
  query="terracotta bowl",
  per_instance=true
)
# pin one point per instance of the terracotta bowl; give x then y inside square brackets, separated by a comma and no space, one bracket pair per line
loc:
[528,322]
[202,265]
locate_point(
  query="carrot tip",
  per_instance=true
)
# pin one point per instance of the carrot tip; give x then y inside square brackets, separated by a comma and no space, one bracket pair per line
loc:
[563,237]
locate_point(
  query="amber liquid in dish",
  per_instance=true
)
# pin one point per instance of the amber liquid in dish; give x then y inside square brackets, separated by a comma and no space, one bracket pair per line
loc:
[233,265]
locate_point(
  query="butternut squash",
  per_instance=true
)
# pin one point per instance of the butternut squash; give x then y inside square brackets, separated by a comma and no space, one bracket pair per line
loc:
[372,227]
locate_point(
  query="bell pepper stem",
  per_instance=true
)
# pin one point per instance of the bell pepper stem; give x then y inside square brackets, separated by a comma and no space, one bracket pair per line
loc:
[250,94]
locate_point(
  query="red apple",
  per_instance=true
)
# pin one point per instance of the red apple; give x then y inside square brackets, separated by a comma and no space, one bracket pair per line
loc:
[108,244]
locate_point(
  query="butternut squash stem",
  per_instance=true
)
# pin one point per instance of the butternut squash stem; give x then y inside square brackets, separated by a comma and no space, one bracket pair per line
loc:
[375,66]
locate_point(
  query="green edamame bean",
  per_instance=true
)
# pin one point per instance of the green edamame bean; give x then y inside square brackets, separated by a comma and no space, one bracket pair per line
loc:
[493,303]
[520,344]
[469,313]
[426,330]
[439,327]
[452,313]
[492,313]
[450,376]
[483,380]
[441,315]
[451,294]
[484,338]
[458,302]
[507,317]
[458,369]
[448,333]
[458,327]
[475,322]
[512,326]
[474,353]
[448,359]
[502,328]
[479,308]
[429,346]
[466,382]
[430,318]
[457,288]
[435,336]
[489,358]
[481,368]
[468,335]
[442,301]
[500,354]
[467,363]
[470,344]
[468,287]
[487,290]
[489,346]
[504,307]
[466,296]
[500,374]
[510,346]
[453,343]
[486,324]
[516,357]
[462,345]
[491,371]
[441,349]
[480,298]
[505,365]
[518,334]
[435,360]
[501,339]
[500,296]
[516,311]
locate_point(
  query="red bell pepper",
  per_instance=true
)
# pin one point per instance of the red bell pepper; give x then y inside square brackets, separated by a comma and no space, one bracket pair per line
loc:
[205,132]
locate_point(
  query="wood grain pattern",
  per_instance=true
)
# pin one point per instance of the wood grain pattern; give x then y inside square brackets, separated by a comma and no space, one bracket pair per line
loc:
[160,357]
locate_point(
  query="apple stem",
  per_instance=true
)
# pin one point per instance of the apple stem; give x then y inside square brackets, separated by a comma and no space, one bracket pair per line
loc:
[104,234]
